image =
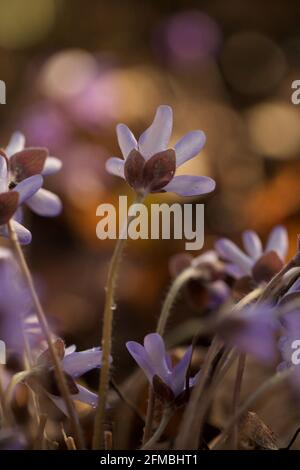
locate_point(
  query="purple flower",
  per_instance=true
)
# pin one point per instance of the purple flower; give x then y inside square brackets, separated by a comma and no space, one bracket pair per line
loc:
[168,381]
[26,162]
[74,365]
[149,164]
[261,264]
[207,289]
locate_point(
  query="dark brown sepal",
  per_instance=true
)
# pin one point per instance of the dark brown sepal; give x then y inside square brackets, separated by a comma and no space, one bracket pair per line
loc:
[28,162]
[159,170]
[133,169]
[266,267]
[8,206]
[162,390]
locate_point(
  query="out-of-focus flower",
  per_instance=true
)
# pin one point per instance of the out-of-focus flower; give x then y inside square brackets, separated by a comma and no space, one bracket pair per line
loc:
[74,365]
[29,162]
[256,262]
[168,381]
[149,165]
[207,289]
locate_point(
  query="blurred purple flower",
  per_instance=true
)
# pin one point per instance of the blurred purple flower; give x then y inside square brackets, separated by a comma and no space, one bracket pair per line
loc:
[261,264]
[149,165]
[168,380]
[207,289]
[74,365]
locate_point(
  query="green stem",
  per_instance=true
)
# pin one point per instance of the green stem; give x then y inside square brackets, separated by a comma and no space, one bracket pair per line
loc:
[61,380]
[159,431]
[98,438]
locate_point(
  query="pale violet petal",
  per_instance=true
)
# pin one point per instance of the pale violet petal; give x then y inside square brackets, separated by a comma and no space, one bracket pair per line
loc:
[86,396]
[230,252]
[78,363]
[278,241]
[189,146]
[140,356]
[23,234]
[115,166]
[179,372]
[126,140]
[45,203]
[252,244]
[16,144]
[155,348]
[156,138]
[186,185]
[3,175]
[52,165]
[28,187]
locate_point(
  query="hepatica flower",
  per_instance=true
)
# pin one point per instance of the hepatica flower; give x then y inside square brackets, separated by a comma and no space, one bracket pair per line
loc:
[257,262]
[74,365]
[167,380]
[149,164]
[21,179]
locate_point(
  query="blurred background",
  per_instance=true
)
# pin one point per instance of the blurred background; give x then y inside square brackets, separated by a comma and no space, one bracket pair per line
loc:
[73,69]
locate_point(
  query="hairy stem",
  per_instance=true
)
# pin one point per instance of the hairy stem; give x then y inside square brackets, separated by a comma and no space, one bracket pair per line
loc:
[98,438]
[61,380]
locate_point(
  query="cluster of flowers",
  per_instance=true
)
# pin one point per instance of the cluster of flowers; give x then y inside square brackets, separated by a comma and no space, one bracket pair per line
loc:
[265,329]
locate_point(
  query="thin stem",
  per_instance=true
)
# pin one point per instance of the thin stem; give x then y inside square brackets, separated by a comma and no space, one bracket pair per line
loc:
[236,396]
[61,380]
[267,385]
[126,400]
[98,438]
[175,288]
[149,415]
[159,431]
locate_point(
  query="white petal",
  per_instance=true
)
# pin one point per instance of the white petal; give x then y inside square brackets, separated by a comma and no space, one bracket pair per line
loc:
[252,244]
[189,146]
[28,187]
[126,139]
[186,185]
[45,203]
[16,144]
[156,138]
[115,166]
[278,241]
[230,252]
[52,165]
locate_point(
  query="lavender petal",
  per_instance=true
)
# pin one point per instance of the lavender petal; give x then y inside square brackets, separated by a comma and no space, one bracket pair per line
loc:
[186,185]
[140,356]
[28,187]
[52,165]
[278,242]
[230,252]
[189,146]
[126,139]
[16,144]
[252,244]
[115,166]
[3,175]
[78,363]
[156,138]
[45,203]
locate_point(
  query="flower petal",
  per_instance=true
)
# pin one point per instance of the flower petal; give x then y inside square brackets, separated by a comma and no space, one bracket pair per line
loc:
[186,185]
[189,146]
[155,348]
[86,396]
[230,252]
[140,356]
[115,166]
[252,244]
[78,363]
[24,236]
[278,241]
[3,175]
[52,165]
[126,140]
[16,144]
[179,372]
[28,187]
[45,203]
[156,138]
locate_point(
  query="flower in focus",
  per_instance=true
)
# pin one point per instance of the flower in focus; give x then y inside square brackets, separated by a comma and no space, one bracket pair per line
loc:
[256,262]
[207,288]
[26,162]
[168,381]
[74,365]
[149,165]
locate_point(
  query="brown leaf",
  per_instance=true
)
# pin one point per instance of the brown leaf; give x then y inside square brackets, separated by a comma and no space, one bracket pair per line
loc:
[258,433]
[28,162]
[8,206]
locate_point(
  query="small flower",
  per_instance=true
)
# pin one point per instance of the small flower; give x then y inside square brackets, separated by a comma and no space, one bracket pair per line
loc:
[25,162]
[207,288]
[149,164]
[259,264]
[74,365]
[168,381]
